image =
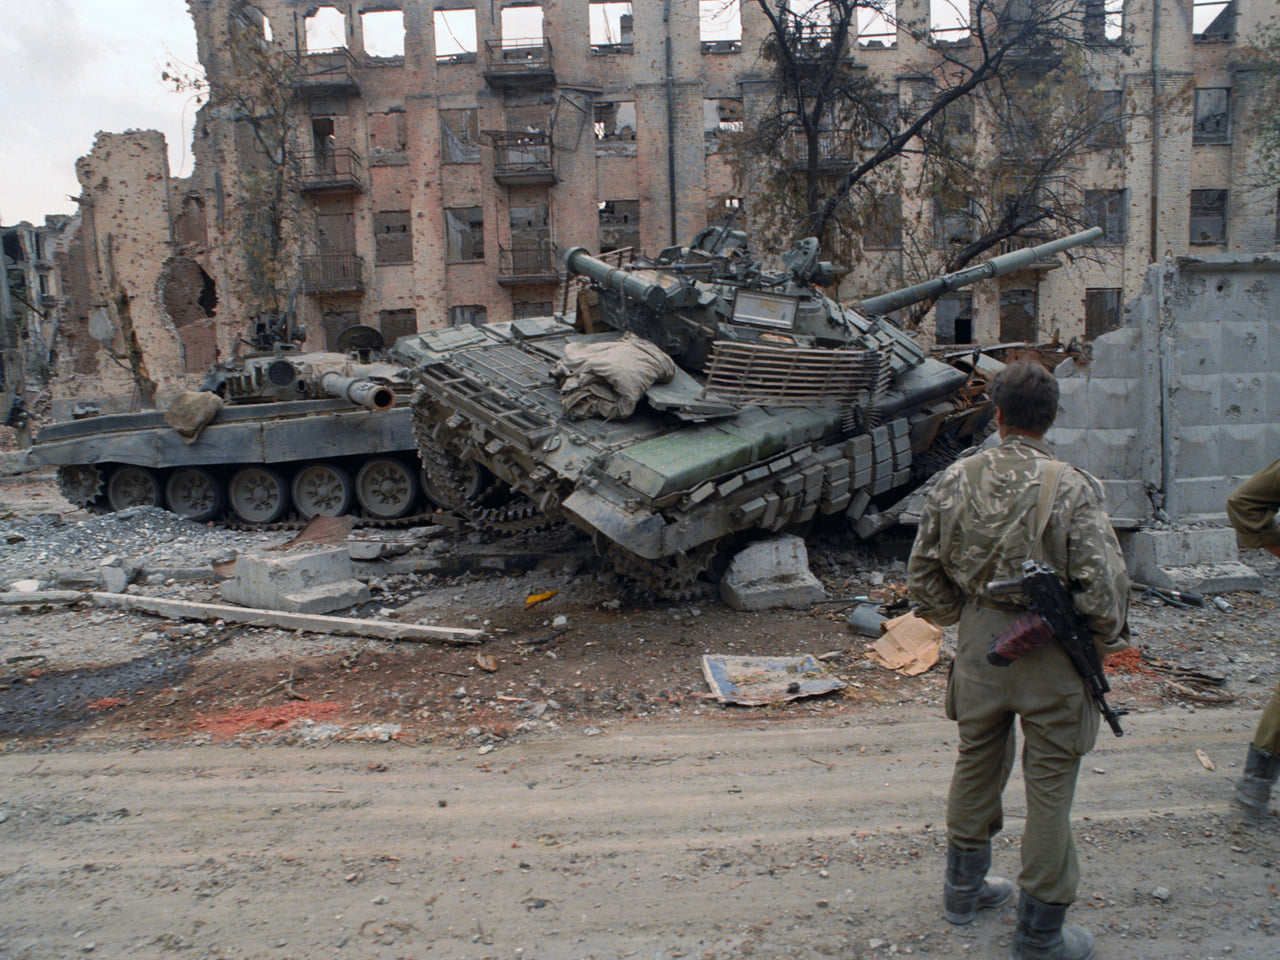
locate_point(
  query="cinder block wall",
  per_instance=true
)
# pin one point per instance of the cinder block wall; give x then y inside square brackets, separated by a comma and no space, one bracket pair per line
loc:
[1183,402]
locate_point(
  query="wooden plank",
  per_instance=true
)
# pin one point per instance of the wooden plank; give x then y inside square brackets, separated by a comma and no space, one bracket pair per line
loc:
[310,623]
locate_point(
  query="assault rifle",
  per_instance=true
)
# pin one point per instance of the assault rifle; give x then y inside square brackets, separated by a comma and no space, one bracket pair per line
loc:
[1052,605]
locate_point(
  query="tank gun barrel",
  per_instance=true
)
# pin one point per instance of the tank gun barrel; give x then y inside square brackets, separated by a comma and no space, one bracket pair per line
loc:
[653,289]
[995,267]
[361,390]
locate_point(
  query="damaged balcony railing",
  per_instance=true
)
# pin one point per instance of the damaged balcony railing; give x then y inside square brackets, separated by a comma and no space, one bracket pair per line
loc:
[325,73]
[518,63]
[835,148]
[521,158]
[332,273]
[531,262]
[337,170]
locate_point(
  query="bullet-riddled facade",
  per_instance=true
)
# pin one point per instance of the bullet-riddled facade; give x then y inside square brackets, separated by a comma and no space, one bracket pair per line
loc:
[444,154]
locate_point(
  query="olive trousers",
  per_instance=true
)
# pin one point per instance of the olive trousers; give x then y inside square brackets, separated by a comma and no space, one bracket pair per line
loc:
[1267,735]
[1059,725]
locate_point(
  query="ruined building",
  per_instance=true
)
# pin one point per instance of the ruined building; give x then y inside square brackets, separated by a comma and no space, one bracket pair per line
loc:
[442,154]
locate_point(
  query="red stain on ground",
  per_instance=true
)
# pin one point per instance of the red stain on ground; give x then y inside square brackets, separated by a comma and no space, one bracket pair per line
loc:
[223,725]
[107,703]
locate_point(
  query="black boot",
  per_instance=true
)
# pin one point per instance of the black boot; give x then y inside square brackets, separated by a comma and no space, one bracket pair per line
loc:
[1260,771]
[1041,935]
[967,888]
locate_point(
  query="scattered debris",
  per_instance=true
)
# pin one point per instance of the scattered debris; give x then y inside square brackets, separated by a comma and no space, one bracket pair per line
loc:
[1204,760]
[539,597]
[320,529]
[759,681]
[909,645]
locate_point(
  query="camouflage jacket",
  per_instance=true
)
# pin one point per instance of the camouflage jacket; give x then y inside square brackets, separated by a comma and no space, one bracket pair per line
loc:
[979,523]
[1252,507]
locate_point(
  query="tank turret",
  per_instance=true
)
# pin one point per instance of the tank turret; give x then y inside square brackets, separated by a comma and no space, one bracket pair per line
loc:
[784,406]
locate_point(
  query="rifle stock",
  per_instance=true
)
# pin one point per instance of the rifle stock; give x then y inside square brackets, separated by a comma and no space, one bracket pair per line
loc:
[1050,599]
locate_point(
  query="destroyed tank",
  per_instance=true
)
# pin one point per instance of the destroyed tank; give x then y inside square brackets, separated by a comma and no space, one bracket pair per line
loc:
[782,406]
[272,434]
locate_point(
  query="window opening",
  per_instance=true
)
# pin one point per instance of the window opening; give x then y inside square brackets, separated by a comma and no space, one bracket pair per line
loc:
[882,228]
[615,129]
[326,29]
[392,238]
[395,324]
[1101,311]
[953,318]
[389,137]
[1212,20]
[878,27]
[1213,115]
[460,135]
[455,33]
[1103,21]
[619,224]
[611,26]
[1018,316]
[1208,216]
[720,116]
[468,315]
[464,232]
[720,26]
[949,21]
[383,32]
[1107,209]
[531,308]
[521,25]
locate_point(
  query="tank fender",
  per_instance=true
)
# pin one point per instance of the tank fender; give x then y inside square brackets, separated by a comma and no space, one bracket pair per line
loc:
[639,531]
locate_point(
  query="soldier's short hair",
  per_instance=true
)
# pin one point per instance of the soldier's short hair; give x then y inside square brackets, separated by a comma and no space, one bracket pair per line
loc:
[1027,394]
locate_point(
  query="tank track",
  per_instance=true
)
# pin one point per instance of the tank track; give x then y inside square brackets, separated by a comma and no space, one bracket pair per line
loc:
[229,522]
[671,578]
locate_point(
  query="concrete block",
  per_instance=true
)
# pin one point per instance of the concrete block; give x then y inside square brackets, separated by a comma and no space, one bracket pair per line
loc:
[771,573]
[1212,578]
[316,581]
[1200,559]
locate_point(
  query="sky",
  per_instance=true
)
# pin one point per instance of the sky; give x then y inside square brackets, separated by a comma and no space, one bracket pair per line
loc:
[70,68]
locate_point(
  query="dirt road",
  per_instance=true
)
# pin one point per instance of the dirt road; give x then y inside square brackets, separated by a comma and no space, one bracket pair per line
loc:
[708,839]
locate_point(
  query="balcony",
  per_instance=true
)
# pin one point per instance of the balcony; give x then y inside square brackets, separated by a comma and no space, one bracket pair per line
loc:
[529,263]
[48,300]
[836,149]
[518,64]
[332,273]
[521,159]
[329,73]
[331,172]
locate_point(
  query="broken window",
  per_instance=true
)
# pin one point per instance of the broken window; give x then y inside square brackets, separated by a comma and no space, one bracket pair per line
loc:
[249,17]
[324,146]
[619,224]
[878,26]
[455,33]
[953,221]
[460,135]
[397,323]
[1108,111]
[1212,20]
[1107,209]
[468,315]
[1103,20]
[191,226]
[334,323]
[1208,216]
[326,29]
[882,228]
[1101,311]
[335,228]
[720,116]
[611,26]
[1213,106]
[389,137]
[383,32]
[464,230]
[720,26]
[953,318]
[531,308]
[392,237]
[615,129]
[521,25]
[948,21]
[1017,316]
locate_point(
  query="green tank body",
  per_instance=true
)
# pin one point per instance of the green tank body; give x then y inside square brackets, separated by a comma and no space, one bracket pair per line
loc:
[778,404]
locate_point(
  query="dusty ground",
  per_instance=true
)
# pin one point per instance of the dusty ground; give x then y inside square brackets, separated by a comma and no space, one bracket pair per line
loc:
[584,797]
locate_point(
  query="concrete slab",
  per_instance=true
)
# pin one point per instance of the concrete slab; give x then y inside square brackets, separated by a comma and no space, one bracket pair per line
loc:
[315,581]
[771,573]
[1199,559]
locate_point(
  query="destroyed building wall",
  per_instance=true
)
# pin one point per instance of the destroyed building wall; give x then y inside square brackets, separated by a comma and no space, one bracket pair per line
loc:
[1182,403]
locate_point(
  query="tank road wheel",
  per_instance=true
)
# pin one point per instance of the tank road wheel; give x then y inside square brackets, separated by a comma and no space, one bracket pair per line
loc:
[258,495]
[669,577]
[385,488]
[82,485]
[132,486]
[195,493]
[322,490]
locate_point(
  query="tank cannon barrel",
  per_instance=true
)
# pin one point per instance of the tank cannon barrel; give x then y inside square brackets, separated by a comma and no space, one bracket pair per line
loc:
[995,267]
[653,289]
[361,390]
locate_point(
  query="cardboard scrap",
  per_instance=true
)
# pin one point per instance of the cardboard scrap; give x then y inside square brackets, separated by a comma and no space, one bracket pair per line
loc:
[758,681]
[908,645]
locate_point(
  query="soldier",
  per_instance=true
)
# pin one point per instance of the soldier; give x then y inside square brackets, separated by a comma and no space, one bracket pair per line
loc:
[1251,508]
[984,517]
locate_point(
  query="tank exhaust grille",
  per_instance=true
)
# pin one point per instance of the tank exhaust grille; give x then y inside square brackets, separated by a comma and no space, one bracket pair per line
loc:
[763,373]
